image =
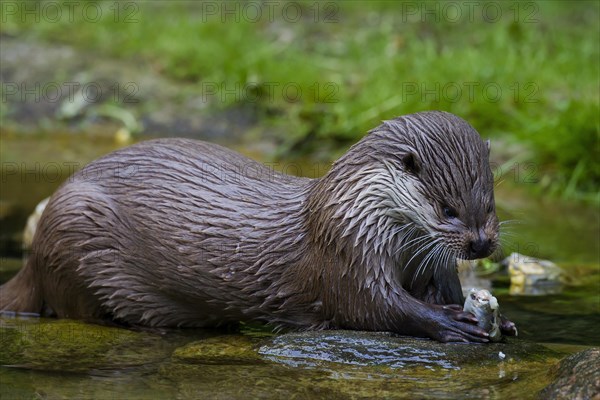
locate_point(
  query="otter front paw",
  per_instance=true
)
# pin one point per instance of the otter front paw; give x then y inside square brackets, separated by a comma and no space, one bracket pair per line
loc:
[452,324]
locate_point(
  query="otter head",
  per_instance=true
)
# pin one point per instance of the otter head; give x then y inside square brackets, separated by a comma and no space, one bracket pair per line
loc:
[422,180]
[443,180]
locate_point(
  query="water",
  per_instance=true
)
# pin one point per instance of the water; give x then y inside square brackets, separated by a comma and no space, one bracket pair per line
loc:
[33,167]
[66,359]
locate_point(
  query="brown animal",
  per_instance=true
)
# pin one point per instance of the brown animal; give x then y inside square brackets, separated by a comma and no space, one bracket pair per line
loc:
[182,233]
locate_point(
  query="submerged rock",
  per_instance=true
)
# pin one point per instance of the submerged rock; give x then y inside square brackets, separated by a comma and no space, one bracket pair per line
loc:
[577,377]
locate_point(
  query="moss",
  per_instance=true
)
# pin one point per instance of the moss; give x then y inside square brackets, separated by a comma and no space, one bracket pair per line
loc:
[222,349]
[64,345]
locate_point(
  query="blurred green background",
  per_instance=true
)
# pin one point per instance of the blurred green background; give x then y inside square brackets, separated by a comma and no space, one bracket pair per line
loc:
[320,74]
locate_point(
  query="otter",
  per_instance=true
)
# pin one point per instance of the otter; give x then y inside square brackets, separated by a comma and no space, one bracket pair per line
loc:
[183,233]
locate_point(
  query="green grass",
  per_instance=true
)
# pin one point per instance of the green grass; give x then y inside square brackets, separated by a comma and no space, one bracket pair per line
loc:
[380,60]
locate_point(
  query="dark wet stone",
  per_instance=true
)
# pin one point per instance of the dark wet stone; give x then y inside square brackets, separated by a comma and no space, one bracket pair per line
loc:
[577,377]
[313,349]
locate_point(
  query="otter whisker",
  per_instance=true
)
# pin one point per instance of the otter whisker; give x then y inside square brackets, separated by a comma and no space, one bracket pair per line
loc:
[442,258]
[411,232]
[504,235]
[406,229]
[415,241]
[421,268]
[437,256]
[497,252]
[433,244]
[510,221]
[449,257]
[419,251]
[428,258]
[505,242]
[507,226]
[507,234]
[405,242]
[404,232]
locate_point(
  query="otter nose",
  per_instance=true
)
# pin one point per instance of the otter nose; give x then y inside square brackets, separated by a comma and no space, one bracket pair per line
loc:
[480,248]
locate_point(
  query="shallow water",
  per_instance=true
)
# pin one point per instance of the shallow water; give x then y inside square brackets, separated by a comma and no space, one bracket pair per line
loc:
[32,167]
[91,362]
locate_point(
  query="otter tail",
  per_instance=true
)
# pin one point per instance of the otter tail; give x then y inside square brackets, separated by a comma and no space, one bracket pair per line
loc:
[21,293]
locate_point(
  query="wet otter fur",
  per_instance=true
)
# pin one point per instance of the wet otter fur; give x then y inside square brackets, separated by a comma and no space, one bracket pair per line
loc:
[183,233]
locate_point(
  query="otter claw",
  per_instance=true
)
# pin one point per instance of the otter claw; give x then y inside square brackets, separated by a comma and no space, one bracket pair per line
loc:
[466,317]
[455,325]
[452,307]
[459,314]
[508,327]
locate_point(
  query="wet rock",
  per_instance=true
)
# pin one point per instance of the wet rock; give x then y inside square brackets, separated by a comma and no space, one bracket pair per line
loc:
[64,345]
[533,276]
[319,349]
[349,364]
[380,365]
[218,350]
[577,377]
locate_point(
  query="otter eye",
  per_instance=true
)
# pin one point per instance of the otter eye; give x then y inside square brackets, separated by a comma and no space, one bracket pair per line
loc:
[449,212]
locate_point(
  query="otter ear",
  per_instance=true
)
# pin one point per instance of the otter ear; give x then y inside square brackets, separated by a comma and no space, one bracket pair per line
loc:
[411,163]
[488,145]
